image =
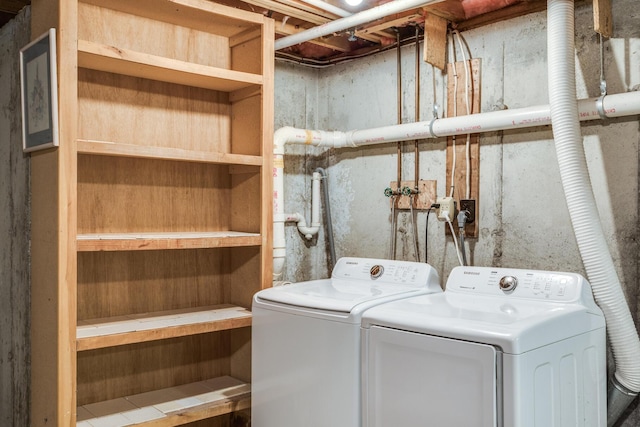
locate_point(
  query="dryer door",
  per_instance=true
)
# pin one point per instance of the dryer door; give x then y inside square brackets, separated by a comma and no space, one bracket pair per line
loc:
[413,379]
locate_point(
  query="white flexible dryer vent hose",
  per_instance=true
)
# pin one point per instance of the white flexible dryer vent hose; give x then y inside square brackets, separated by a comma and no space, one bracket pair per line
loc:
[580,199]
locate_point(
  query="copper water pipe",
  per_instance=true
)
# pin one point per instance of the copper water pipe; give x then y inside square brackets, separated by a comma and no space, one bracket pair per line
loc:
[399,104]
[417,119]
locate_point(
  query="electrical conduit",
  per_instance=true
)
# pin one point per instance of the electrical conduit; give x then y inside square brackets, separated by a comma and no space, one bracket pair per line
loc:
[582,208]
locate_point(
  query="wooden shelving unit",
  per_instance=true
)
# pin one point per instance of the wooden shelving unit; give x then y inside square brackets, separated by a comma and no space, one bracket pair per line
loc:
[152,220]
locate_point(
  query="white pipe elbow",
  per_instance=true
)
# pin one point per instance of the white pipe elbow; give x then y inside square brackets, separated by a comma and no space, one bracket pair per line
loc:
[301,223]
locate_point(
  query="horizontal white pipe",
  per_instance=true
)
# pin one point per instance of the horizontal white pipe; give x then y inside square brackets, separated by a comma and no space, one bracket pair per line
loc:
[351,21]
[619,105]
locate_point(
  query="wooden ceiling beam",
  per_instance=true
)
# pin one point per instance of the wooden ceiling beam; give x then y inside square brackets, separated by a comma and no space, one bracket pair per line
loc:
[303,15]
[602,18]
[307,8]
[396,20]
[518,9]
[337,43]
[12,6]
[290,11]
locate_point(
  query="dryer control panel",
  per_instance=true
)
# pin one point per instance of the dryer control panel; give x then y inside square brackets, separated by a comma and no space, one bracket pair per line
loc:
[383,271]
[517,283]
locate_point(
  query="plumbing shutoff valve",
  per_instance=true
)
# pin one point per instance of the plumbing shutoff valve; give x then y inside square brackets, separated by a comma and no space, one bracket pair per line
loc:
[447,209]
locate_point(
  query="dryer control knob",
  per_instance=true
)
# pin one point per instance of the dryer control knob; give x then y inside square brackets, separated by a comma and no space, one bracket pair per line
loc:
[376,271]
[508,283]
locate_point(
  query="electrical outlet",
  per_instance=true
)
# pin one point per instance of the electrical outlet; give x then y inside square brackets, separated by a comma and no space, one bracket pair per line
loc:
[447,208]
[469,205]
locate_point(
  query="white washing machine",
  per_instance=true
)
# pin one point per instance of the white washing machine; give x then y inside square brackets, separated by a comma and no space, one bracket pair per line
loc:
[306,368]
[500,347]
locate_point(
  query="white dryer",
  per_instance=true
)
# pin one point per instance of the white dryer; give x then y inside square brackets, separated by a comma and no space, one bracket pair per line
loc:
[306,341]
[500,347]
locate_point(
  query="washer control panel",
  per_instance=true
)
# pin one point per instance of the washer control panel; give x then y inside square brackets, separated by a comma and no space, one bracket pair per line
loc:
[383,271]
[506,282]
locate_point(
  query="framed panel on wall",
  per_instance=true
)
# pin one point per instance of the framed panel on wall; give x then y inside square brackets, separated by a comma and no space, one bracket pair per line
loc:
[39,93]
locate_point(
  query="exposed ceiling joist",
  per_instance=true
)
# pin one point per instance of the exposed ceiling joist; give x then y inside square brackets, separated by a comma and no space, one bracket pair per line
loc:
[397,20]
[294,16]
[12,6]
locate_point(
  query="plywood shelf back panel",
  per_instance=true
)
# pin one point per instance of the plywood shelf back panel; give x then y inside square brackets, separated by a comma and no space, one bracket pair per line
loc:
[124,195]
[131,110]
[162,39]
[203,15]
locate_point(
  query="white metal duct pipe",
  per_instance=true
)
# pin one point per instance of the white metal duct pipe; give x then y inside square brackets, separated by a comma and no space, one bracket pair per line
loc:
[351,21]
[581,203]
[618,105]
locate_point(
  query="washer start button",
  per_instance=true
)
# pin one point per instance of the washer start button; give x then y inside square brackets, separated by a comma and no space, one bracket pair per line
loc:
[376,271]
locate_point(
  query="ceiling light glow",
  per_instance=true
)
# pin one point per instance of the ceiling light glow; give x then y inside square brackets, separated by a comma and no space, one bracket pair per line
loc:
[353,2]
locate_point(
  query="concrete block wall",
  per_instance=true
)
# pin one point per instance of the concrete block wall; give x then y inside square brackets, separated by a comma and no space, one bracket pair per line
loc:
[14,232]
[524,222]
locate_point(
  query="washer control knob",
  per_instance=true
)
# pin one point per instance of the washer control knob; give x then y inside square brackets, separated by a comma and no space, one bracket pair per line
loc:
[376,271]
[508,283]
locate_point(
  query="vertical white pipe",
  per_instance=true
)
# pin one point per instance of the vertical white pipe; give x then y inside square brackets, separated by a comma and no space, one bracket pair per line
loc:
[315,200]
[309,231]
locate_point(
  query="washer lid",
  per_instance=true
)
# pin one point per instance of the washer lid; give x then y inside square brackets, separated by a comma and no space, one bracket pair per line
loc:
[516,326]
[337,295]
[356,284]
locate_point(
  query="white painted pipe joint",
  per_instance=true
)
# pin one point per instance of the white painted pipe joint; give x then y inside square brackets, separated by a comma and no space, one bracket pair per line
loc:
[311,231]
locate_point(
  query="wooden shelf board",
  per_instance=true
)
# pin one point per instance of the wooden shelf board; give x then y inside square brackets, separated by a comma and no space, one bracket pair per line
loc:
[101,57]
[122,330]
[159,241]
[171,406]
[203,15]
[107,148]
